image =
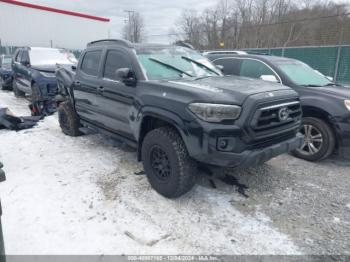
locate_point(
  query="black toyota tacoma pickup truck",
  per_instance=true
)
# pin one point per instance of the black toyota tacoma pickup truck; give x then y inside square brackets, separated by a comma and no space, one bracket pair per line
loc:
[177,109]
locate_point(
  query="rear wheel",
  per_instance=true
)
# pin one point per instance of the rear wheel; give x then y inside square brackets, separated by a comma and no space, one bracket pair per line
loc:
[319,140]
[16,91]
[169,168]
[68,119]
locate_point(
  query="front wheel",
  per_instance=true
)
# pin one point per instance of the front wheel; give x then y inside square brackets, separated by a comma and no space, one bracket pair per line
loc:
[169,168]
[319,140]
[68,119]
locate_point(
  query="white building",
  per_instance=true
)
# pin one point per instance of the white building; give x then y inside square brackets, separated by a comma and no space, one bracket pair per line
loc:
[24,24]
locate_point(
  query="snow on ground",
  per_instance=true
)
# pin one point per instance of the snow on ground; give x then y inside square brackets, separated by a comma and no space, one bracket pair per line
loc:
[67,195]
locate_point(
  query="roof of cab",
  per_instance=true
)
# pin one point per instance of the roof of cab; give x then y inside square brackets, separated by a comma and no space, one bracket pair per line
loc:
[126,43]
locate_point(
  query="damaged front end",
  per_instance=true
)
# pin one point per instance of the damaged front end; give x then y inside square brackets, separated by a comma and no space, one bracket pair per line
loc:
[65,76]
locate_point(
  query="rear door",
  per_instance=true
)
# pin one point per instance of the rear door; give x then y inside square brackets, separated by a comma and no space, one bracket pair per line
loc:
[115,99]
[85,86]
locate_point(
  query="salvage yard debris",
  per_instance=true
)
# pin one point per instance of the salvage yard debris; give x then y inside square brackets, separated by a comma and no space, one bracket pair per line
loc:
[10,121]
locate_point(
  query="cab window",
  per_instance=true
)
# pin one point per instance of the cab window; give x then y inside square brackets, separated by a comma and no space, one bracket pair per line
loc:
[91,62]
[115,60]
[231,65]
[254,69]
[18,56]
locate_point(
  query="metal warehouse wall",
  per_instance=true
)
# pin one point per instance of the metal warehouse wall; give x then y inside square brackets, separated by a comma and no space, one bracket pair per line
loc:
[23,26]
[331,61]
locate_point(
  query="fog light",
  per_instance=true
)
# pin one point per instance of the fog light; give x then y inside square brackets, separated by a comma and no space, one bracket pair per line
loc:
[223,144]
[226,144]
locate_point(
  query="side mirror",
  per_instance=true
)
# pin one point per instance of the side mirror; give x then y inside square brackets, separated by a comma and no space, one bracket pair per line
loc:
[126,75]
[270,78]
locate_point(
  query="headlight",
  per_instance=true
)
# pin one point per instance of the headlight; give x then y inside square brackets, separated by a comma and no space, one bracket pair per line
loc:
[47,74]
[215,112]
[347,104]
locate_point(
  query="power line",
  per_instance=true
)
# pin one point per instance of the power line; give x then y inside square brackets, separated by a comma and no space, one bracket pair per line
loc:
[263,25]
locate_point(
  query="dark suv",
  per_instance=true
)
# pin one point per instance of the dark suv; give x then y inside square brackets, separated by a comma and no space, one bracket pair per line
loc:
[34,70]
[177,109]
[326,105]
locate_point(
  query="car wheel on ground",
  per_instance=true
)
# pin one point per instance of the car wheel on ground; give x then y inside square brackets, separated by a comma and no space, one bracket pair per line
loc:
[68,119]
[319,140]
[16,91]
[169,168]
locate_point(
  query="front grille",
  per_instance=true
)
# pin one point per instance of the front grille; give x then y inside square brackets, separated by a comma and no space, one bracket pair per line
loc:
[52,89]
[276,116]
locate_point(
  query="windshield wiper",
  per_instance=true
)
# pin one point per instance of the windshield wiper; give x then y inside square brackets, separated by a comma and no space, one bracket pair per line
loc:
[200,64]
[310,85]
[170,66]
[332,84]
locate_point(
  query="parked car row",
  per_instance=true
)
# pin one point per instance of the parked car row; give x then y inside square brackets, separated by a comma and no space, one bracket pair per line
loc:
[179,110]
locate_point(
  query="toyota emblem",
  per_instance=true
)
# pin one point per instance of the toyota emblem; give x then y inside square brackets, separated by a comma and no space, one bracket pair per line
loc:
[283,114]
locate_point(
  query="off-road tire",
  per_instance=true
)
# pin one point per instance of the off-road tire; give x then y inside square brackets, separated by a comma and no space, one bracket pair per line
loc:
[68,119]
[328,144]
[183,169]
[16,91]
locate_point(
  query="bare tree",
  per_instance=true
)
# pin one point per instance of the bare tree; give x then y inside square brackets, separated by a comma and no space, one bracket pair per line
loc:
[134,27]
[267,23]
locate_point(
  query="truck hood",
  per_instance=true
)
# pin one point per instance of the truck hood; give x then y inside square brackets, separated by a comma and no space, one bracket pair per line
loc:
[231,88]
[340,91]
[49,68]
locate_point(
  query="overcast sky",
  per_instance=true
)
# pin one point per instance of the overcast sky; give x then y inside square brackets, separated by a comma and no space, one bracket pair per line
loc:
[159,15]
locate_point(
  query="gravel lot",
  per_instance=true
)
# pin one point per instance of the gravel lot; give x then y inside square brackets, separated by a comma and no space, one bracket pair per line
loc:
[85,195]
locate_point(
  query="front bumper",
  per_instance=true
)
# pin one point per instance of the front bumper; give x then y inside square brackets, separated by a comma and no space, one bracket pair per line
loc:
[48,88]
[342,127]
[249,158]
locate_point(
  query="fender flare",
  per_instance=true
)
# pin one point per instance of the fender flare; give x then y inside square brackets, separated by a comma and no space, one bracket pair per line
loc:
[162,114]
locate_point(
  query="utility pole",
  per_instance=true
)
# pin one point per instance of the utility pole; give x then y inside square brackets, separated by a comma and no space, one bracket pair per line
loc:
[129,26]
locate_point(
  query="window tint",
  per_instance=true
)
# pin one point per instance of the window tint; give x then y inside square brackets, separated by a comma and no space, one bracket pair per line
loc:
[91,62]
[114,61]
[254,69]
[24,57]
[231,65]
